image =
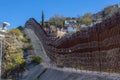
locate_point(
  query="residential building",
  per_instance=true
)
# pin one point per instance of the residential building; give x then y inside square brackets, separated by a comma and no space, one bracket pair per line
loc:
[70,25]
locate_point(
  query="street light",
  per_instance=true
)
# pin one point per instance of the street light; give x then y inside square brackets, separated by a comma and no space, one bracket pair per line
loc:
[2,35]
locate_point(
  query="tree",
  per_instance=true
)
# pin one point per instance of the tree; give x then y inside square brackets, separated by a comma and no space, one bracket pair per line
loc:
[57,20]
[20,28]
[109,11]
[42,18]
[86,19]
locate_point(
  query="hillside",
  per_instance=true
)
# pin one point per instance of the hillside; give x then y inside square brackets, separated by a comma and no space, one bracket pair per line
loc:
[87,19]
[107,12]
[13,45]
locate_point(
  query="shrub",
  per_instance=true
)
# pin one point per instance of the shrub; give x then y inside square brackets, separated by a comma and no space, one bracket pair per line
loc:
[37,59]
[37,79]
[59,63]
[16,31]
[20,28]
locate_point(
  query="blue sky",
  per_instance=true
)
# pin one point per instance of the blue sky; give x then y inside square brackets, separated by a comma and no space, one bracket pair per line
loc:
[16,12]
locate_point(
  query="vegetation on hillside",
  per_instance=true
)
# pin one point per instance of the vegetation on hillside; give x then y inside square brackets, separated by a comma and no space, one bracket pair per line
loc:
[14,43]
[109,11]
[86,19]
[56,20]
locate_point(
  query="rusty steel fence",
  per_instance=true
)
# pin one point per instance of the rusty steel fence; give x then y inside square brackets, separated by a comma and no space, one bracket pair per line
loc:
[94,49]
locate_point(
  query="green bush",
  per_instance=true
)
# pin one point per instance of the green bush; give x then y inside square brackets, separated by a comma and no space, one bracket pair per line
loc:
[16,31]
[20,28]
[37,59]
[59,63]
[25,40]
[36,79]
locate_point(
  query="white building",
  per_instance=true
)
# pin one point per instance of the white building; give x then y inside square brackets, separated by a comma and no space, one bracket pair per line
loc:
[71,25]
